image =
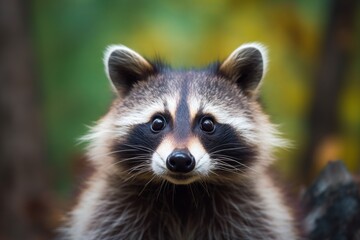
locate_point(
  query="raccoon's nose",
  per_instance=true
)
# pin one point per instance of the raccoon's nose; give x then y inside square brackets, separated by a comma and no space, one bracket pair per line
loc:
[180,161]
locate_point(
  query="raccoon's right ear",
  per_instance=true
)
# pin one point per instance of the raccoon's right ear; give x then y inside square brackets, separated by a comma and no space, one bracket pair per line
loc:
[125,67]
[246,66]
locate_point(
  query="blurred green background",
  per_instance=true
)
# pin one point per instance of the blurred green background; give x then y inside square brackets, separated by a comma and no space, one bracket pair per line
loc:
[314,66]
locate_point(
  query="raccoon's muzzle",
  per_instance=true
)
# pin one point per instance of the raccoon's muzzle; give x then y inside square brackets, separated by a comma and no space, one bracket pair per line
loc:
[180,161]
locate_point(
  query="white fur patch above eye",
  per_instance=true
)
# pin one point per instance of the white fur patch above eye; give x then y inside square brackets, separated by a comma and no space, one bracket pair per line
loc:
[172,103]
[194,106]
[238,121]
[145,111]
[141,114]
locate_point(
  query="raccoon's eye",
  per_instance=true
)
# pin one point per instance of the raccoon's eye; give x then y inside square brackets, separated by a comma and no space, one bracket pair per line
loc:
[207,125]
[158,124]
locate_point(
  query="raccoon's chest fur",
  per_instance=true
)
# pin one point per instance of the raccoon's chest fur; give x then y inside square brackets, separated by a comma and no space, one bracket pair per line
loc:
[167,211]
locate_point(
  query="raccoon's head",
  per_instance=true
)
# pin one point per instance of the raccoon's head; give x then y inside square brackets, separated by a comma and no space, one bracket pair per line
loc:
[184,125]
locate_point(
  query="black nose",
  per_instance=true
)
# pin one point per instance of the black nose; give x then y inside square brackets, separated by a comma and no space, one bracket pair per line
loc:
[180,161]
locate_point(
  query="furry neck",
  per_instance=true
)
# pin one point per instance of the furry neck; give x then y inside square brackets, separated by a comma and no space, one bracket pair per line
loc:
[193,204]
[129,210]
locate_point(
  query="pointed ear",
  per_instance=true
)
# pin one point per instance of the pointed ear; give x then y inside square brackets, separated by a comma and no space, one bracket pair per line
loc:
[125,67]
[246,66]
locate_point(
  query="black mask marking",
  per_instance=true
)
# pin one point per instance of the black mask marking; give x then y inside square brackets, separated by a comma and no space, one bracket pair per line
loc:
[224,145]
[138,147]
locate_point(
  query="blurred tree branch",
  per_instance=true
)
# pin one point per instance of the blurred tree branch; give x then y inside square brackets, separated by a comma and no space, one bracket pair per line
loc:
[24,192]
[336,51]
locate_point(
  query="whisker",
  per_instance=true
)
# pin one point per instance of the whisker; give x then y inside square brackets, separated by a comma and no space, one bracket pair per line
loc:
[113,152]
[132,176]
[193,196]
[139,147]
[229,149]
[161,186]
[146,185]
[127,159]
[227,158]
[204,185]
[138,168]
[222,145]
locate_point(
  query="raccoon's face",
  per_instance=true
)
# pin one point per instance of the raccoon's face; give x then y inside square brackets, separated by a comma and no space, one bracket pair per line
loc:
[186,125]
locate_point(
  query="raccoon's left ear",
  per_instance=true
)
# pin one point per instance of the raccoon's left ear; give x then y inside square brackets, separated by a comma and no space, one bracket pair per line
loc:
[125,67]
[246,66]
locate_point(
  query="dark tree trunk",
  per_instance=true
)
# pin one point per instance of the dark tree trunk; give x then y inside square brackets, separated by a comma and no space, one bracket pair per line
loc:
[336,51]
[24,194]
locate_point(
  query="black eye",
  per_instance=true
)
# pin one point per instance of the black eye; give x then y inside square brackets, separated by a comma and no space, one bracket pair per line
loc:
[207,124]
[158,124]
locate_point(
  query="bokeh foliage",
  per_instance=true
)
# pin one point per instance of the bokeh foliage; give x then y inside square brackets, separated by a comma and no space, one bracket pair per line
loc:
[71,35]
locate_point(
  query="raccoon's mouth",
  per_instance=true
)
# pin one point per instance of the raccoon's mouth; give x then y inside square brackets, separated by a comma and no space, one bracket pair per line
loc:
[180,178]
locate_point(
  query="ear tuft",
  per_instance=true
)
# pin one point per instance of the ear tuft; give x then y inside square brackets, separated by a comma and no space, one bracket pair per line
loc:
[246,66]
[125,67]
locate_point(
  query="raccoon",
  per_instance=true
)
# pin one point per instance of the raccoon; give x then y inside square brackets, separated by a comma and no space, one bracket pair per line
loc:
[183,154]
